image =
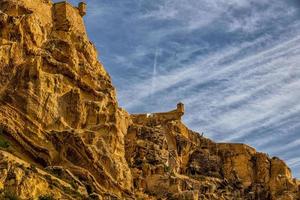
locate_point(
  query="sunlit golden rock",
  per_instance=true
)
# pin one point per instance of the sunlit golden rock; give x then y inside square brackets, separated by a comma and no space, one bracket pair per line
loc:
[62,133]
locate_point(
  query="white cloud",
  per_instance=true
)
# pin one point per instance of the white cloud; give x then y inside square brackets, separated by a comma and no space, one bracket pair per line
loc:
[230,91]
[196,14]
[263,84]
[294,162]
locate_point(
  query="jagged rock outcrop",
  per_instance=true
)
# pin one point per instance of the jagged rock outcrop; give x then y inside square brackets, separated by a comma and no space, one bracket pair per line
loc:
[62,133]
[57,103]
[170,161]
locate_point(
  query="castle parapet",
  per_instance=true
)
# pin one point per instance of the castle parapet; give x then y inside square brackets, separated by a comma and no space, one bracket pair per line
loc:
[156,118]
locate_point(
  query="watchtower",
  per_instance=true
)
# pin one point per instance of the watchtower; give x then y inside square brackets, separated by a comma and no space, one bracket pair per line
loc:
[82,7]
[180,108]
[69,18]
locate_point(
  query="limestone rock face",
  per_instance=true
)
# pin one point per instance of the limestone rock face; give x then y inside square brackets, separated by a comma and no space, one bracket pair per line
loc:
[57,103]
[170,161]
[62,133]
[20,177]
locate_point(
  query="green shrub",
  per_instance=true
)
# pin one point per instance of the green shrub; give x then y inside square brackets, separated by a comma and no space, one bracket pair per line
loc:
[74,185]
[33,168]
[89,188]
[4,144]
[46,197]
[167,168]
[57,172]
[10,195]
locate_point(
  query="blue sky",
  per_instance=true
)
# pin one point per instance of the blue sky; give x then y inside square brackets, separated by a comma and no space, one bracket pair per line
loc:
[234,63]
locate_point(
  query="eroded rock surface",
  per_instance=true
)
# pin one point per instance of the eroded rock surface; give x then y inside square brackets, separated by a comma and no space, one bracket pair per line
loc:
[57,103]
[170,161]
[64,135]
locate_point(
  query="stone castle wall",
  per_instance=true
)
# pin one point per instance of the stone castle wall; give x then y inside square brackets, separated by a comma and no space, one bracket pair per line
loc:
[154,118]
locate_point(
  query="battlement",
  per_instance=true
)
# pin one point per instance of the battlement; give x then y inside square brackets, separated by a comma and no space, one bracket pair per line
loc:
[156,118]
[66,17]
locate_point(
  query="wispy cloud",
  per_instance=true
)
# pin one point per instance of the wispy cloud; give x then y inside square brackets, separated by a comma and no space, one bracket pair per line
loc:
[234,63]
[294,162]
[242,15]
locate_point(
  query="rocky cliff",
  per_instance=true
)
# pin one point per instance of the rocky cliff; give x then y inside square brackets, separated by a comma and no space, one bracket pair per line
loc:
[63,135]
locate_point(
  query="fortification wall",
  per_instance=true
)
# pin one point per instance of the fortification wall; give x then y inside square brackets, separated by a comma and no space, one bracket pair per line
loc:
[156,118]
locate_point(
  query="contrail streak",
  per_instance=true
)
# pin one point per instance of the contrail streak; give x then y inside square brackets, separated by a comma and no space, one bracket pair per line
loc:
[154,73]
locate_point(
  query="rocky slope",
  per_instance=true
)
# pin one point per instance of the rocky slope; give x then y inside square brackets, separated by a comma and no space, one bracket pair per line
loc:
[63,135]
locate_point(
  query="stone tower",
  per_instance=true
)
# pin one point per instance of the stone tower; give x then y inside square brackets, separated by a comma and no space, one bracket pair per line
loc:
[180,108]
[67,18]
[82,8]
